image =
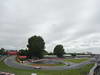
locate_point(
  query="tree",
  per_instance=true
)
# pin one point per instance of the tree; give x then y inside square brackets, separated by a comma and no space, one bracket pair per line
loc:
[45,52]
[59,51]
[23,52]
[36,46]
[2,51]
[50,53]
[73,54]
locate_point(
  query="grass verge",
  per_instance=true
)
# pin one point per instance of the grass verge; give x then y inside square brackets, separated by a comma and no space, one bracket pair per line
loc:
[76,60]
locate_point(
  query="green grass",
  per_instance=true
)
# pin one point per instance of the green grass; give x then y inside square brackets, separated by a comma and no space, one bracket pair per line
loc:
[76,60]
[82,71]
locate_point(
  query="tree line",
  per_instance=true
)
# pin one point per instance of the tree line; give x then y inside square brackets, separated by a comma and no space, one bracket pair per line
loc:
[36,48]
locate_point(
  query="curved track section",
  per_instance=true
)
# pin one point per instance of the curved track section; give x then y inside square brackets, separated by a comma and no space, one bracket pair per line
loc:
[10,61]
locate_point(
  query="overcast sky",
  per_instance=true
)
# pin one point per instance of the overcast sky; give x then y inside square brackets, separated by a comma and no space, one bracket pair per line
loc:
[73,23]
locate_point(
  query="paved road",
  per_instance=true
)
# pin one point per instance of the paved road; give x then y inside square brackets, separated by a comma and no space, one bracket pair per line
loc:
[10,61]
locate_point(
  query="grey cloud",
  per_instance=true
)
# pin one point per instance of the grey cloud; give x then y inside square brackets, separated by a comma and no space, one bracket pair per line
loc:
[57,21]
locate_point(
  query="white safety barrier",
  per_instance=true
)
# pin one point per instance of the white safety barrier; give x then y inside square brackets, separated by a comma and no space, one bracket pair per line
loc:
[33,74]
[5,73]
[92,70]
